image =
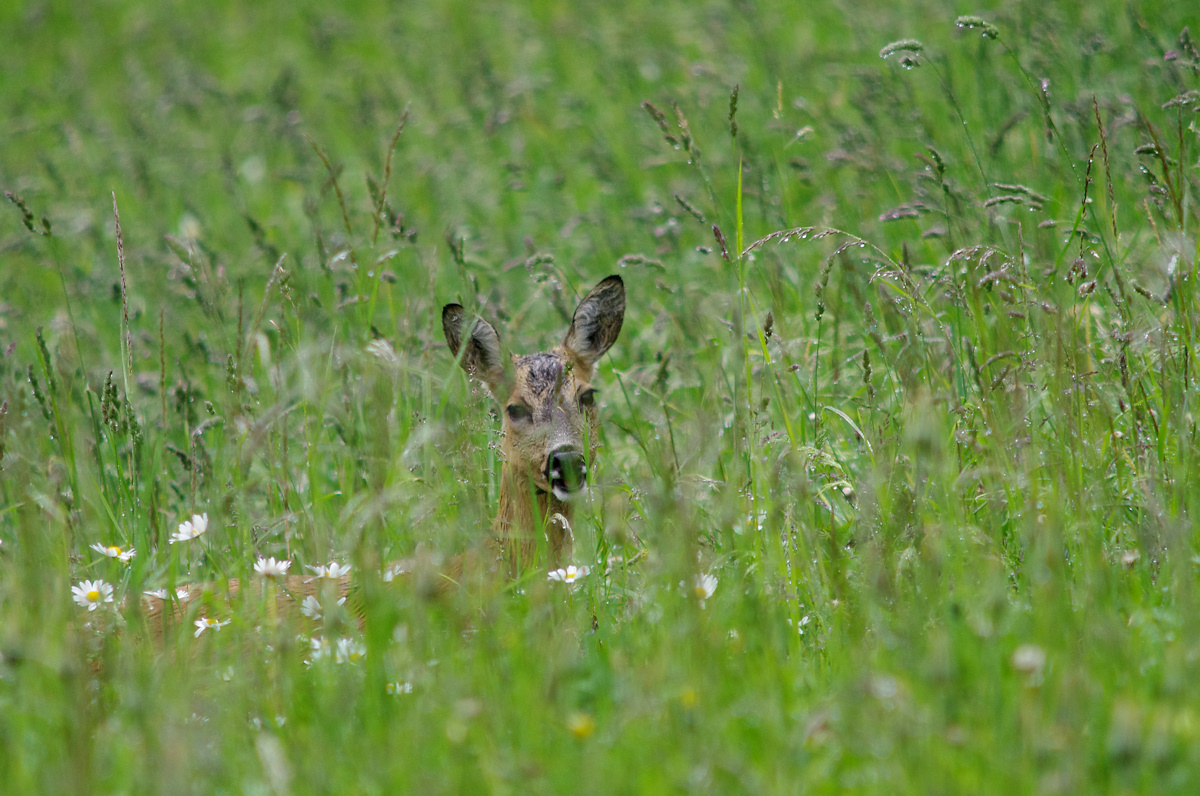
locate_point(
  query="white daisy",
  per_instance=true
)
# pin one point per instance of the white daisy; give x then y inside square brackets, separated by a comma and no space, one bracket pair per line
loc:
[569,575]
[349,651]
[319,649]
[705,586]
[190,529]
[204,623]
[113,551]
[91,594]
[1029,659]
[333,572]
[311,607]
[393,571]
[270,568]
[180,594]
[399,688]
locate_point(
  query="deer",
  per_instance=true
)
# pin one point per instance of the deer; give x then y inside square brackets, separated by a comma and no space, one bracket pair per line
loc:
[549,424]
[549,419]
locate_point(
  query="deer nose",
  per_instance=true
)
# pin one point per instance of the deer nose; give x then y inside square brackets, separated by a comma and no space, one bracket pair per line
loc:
[566,471]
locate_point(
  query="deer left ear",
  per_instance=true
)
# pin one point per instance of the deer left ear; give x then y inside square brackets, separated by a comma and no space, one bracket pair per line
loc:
[597,322]
[480,345]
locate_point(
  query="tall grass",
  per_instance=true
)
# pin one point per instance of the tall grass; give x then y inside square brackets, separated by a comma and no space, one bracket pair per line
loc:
[908,367]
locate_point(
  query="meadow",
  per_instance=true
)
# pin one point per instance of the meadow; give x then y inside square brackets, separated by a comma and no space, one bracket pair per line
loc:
[899,472]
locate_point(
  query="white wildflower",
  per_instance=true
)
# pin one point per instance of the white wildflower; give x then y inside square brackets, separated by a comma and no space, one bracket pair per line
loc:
[1029,660]
[349,651]
[190,529]
[333,572]
[270,568]
[705,585]
[114,551]
[181,594]
[399,688]
[311,607]
[206,623]
[569,576]
[91,594]
[319,649]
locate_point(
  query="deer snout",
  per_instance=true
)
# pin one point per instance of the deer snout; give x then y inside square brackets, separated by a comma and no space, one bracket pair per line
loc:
[566,470]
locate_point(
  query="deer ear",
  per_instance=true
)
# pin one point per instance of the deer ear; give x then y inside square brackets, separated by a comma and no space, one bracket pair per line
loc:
[480,349]
[597,322]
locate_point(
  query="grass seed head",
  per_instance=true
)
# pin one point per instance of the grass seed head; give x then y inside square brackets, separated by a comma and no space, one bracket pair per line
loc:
[908,46]
[986,29]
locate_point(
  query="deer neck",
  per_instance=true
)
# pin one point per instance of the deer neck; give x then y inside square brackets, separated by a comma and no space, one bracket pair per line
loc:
[527,512]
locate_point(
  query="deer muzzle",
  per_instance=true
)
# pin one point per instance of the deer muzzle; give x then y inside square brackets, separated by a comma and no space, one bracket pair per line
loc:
[566,471]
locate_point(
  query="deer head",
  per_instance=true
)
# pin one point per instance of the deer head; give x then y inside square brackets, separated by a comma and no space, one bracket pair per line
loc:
[548,412]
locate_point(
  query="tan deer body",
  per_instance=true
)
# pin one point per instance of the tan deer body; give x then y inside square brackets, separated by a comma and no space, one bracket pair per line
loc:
[549,420]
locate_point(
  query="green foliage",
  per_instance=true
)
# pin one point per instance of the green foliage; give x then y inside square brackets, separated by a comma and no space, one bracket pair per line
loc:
[909,366]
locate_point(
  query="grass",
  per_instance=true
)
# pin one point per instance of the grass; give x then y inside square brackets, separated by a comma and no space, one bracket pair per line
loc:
[937,444]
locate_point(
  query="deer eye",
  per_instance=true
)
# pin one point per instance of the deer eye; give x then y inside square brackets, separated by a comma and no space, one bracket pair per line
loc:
[519,412]
[587,398]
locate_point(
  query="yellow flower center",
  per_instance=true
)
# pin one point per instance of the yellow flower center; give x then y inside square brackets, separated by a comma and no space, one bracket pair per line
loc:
[114,551]
[701,592]
[581,724]
[93,595]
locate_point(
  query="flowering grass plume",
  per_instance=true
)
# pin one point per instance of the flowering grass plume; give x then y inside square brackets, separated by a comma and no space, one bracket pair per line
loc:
[114,551]
[190,529]
[91,594]
[909,46]
[986,29]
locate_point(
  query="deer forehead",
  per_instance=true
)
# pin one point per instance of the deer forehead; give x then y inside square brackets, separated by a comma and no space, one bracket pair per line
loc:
[539,375]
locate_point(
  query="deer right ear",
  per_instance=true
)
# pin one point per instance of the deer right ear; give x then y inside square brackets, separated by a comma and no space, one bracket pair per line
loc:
[480,345]
[597,322]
